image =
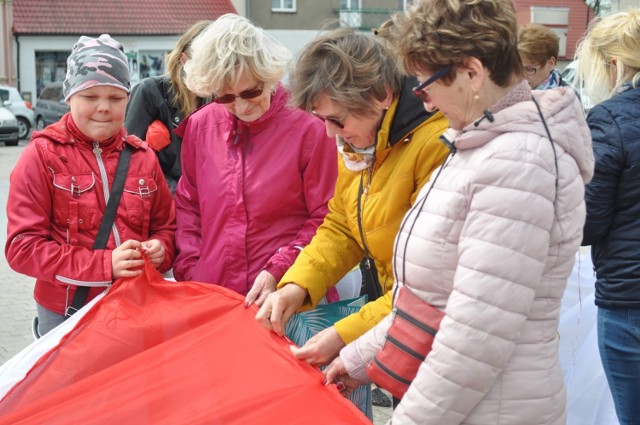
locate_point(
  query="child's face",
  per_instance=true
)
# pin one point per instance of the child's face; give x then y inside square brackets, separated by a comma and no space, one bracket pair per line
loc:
[99,111]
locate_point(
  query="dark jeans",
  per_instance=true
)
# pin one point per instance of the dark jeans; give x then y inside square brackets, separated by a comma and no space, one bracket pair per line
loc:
[619,344]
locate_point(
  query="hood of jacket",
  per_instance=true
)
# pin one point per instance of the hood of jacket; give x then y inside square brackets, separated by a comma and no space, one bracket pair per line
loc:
[517,112]
[409,112]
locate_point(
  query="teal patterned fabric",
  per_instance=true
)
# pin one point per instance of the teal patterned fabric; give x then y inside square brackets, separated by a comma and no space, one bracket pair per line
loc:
[306,324]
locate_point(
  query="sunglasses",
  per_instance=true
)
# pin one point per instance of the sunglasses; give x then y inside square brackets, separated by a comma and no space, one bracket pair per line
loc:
[333,121]
[420,90]
[246,95]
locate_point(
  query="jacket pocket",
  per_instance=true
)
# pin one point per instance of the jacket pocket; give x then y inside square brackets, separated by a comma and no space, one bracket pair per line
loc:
[75,203]
[137,197]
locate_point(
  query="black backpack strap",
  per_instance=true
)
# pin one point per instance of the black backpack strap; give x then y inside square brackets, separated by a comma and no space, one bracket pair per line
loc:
[108,218]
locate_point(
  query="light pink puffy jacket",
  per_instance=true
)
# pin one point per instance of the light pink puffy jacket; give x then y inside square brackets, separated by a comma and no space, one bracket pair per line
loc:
[491,249]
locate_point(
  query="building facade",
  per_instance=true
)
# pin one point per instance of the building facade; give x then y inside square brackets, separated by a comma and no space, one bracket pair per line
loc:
[44,31]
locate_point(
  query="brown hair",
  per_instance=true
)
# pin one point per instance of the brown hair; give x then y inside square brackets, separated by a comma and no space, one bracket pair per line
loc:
[538,43]
[349,67]
[436,33]
[184,99]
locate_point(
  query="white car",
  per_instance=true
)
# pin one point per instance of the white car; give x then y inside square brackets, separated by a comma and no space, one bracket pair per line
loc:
[8,127]
[23,110]
[569,76]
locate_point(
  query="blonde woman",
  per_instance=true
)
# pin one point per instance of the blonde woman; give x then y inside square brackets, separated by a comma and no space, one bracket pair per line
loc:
[609,71]
[257,174]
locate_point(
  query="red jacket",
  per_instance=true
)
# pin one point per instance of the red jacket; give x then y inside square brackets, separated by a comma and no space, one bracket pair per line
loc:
[56,202]
[252,194]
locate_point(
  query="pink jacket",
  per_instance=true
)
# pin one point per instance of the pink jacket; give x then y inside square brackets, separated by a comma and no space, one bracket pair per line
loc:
[492,249]
[56,203]
[252,194]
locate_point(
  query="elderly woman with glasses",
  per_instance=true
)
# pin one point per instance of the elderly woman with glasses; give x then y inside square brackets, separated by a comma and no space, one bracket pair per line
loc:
[539,47]
[257,174]
[388,148]
[491,239]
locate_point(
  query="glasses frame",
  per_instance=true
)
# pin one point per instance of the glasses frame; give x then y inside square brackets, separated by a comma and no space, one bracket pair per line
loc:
[419,90]
[246,95]
[333,121]
[527,70]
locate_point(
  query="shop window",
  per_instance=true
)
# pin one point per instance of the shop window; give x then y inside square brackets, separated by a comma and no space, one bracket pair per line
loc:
[50,67]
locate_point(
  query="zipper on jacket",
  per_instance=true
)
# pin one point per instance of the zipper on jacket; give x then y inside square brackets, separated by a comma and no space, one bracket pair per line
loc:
[365,193]
[97,151]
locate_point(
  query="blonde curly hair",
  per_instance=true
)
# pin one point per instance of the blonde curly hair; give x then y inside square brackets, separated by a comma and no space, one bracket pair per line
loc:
[230,48]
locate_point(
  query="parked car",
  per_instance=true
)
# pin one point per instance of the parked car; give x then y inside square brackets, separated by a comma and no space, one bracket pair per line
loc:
[569,76]
[8,127]
[50,106]
[13,101]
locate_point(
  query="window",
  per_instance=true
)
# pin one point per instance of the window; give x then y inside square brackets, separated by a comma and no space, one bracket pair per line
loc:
[50,67]
[350,13]
[283,6]
[403,4]
[4,96]
[350,4]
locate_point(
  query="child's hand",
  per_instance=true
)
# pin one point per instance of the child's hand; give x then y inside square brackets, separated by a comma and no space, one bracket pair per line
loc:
[154,250]
[126,260]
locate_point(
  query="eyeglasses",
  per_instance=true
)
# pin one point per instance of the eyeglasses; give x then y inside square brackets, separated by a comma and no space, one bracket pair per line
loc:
[337,123]
[420,90]
[530,70]
[246,95]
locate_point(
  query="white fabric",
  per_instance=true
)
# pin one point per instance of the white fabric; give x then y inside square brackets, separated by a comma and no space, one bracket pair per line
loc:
[589,400]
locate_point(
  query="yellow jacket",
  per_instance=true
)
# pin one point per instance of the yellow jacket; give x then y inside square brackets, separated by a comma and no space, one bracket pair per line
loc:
[399,171]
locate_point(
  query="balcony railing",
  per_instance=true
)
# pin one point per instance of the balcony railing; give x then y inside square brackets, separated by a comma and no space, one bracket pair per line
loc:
[363,19]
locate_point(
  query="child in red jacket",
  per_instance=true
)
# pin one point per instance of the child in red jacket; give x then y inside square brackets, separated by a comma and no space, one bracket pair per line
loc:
[61,184]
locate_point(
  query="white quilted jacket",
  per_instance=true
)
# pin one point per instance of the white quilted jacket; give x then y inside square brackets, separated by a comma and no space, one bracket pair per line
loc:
[491,249]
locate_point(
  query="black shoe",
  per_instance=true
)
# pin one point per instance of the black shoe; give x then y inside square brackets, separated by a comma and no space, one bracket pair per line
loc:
[378,398]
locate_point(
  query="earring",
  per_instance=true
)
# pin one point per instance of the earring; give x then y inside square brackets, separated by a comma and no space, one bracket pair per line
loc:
[476,97]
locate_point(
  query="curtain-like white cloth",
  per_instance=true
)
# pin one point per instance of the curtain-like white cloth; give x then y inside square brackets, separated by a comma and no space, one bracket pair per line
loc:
[589,400]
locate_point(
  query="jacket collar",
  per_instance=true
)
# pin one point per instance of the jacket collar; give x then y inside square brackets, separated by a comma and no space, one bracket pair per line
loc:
[65,131]
[409,112]
[405,114]
[278,101]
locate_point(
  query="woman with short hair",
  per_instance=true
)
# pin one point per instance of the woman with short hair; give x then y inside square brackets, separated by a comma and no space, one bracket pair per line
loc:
[388,148]
[257,174]
[491,239]
[539,46]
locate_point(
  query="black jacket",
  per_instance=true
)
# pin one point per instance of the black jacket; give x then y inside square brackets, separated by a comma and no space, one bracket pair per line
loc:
[613,199]
[152,99]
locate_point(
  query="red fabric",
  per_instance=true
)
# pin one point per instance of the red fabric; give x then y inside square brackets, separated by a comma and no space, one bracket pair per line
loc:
[56,201]
[157,136]
[158,352]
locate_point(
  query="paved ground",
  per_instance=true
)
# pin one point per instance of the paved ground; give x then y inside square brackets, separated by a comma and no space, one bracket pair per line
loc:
[16,290]
[17,307]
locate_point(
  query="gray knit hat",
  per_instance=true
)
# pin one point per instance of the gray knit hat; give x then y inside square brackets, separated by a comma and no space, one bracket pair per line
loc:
[96,62]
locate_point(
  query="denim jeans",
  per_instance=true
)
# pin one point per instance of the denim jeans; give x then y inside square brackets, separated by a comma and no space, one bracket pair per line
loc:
[619,344]
[47,319]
